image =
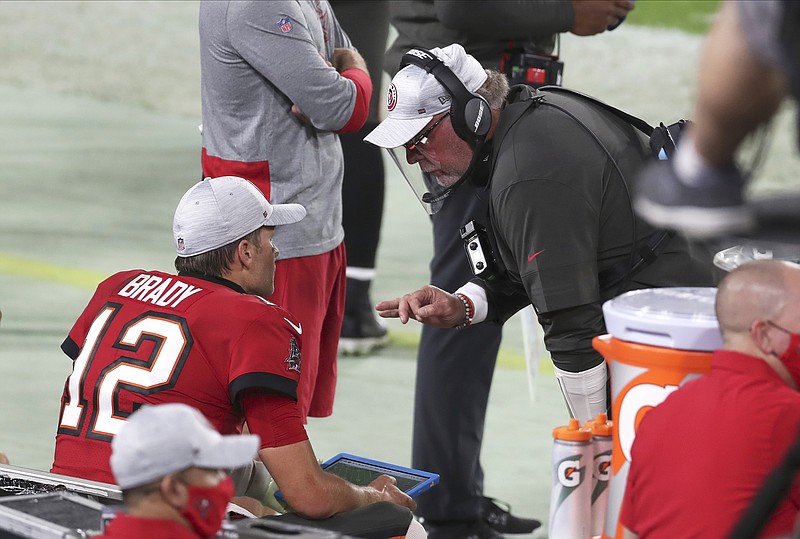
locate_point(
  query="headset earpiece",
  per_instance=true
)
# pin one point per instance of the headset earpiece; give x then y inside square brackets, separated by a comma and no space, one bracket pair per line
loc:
[478,117]
[469,112]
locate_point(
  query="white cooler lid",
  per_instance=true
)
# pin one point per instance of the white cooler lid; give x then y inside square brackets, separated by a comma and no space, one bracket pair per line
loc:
[680,318]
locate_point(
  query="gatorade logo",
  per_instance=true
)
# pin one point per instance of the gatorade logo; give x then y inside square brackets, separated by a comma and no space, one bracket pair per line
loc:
[602,466]
[570,476]
[601,471]
[569,473]
[635,403]
[642,389]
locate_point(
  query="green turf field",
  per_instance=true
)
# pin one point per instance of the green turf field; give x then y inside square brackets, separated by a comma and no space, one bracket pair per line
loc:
[693,16]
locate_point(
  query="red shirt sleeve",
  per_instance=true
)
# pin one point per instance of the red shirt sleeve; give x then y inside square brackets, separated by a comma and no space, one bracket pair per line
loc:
[275,418]
[266,353]
[363,94]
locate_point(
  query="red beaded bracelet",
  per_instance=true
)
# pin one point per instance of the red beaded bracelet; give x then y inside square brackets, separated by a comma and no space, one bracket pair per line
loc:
[469,309]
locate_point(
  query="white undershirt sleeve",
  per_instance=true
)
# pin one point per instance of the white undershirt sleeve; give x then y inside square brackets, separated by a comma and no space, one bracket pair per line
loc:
[478,297]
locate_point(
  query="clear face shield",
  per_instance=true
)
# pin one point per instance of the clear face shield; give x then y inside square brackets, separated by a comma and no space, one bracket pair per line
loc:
[425,187]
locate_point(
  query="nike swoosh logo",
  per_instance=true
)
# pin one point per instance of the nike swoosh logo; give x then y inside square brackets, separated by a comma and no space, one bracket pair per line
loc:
[298,328]
[534,255]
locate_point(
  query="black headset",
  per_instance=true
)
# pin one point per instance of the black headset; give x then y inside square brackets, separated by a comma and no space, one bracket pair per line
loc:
[470,113]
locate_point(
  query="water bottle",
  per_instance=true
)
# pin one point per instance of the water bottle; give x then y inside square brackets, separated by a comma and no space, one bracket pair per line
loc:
[602,445]
[570,498]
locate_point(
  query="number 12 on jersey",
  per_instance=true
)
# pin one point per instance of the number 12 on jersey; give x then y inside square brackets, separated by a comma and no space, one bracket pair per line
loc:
[114,365]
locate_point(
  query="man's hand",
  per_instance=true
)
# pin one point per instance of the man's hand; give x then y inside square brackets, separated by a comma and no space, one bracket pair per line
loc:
[428,305]
[595,16]
[342,59]
[387,488]
[347,59]
[300,116]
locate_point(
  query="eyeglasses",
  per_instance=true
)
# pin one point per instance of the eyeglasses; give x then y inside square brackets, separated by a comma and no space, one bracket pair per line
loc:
[422,138]
[776,326]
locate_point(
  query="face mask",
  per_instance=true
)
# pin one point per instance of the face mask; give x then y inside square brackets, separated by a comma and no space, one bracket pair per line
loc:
[207,506]
[791,356]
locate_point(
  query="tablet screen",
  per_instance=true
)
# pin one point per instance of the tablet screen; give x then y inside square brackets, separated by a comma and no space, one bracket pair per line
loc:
[362,473]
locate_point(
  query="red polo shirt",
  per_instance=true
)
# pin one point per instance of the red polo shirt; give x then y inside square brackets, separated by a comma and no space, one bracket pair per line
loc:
[700,457]
[128,527]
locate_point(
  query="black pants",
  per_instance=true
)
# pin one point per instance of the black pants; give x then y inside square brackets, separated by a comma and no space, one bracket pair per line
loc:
[380,520]
[454,374]
[367,25]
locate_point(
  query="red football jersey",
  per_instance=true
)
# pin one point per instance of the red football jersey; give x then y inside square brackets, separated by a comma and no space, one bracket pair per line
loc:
[149,337]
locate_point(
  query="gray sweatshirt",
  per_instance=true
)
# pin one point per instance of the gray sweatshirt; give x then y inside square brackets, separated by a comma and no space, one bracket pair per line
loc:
[258,58]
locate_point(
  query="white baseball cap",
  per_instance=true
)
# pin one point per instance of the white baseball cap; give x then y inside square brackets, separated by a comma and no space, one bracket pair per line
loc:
[167,438]
[415,96]
[217,211]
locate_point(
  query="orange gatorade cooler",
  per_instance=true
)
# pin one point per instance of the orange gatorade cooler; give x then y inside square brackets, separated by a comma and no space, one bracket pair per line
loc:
[657,339]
